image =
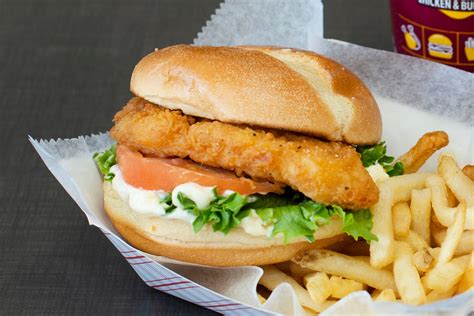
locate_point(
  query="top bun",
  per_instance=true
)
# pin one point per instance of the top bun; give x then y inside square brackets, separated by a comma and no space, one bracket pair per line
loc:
[270,87]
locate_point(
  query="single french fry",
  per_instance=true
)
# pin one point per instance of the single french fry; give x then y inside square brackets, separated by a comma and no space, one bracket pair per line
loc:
[423,260]
[437,295]
[406,276]
[272,277]
[401,219]
[345,266]
[261,299]
[382,250]
[439,199]
[385,296]
[341,287]
[393,190]
[467,281]
[460,184]
[425,147]
[415,241]
[444,276]
[453,236]
[318,286]
[465,246]
[421,213]
[366,259]
[468,170]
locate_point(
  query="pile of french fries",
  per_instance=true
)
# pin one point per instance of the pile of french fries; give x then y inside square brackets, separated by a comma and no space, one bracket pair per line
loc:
[425,249]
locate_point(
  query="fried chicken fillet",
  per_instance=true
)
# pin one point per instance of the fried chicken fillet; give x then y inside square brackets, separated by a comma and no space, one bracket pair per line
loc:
[327,172]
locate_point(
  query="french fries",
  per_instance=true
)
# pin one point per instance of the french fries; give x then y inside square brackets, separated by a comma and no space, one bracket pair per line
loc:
[426,146]
[384,296]
[461,186]
[318,286]
[421,213]
[401,219]
[436,295]
[465,246]
[467,281]
[393,190]
[406,276]
[341,287]
[344,266]
[444,276]
[272,277]
[415,241]
[424,223]
[453,236]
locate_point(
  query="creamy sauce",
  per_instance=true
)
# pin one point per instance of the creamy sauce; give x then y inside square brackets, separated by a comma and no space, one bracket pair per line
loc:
[377,172]
[148,202]
[253,225]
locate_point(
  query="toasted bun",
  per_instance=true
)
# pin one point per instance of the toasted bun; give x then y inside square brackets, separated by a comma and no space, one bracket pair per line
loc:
[175,238]
[271,87]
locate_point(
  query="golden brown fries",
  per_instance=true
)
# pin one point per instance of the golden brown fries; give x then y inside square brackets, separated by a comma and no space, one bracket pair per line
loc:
[318,286]
[415,241]
[426,146]
[439,195]
[345,266]
[453,236]
[465,246]
[424,223]
[444,276]
[401,219]
[436,295]
[272,277]
[341,287]
[421,213]
[467,281]
[406,276]
[393,190]
[468,170]
[384,296]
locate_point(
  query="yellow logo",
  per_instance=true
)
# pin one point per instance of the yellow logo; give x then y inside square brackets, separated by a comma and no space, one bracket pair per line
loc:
[440,46]
[457,15]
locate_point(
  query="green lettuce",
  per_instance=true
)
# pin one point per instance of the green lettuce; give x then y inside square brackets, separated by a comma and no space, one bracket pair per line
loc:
[105,160]
[371,155]
[291,214]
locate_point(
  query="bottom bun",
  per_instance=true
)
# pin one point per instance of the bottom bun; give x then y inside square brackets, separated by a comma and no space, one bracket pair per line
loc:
[176,239]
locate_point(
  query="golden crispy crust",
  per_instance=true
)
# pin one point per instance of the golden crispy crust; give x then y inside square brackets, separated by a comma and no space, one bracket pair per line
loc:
[271,87]
[331,173]
[175,239]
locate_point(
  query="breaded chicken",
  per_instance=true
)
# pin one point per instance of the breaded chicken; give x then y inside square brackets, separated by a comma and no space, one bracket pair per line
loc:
[326,172]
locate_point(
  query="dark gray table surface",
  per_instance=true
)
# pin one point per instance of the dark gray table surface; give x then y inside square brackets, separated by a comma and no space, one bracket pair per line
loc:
[64,71]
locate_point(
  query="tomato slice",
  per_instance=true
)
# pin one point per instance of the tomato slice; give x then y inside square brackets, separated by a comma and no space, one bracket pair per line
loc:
[151,173]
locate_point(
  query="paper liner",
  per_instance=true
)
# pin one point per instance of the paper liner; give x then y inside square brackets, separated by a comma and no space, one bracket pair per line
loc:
[263,22]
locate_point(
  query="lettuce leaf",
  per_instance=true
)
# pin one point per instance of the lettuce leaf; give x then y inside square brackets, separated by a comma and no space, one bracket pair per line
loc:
[291,215]
[371,155]
[105,160]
